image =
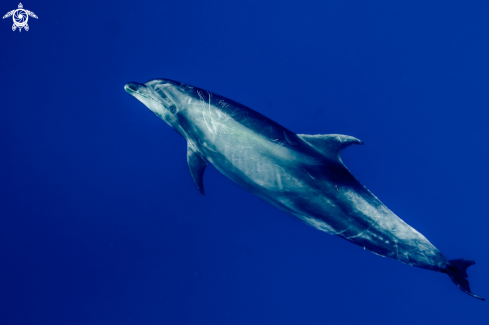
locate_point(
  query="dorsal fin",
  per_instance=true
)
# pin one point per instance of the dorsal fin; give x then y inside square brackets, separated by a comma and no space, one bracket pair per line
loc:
[330,145]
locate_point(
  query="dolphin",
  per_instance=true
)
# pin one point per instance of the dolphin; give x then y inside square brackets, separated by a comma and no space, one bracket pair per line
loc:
[300,174]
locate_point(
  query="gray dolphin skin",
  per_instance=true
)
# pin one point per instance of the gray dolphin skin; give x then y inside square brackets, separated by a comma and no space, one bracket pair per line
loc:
[300,174]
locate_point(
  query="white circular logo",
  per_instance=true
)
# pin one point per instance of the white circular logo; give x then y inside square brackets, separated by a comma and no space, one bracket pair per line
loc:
[20,17]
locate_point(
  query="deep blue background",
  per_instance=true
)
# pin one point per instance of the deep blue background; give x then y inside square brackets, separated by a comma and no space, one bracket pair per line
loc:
[100,222]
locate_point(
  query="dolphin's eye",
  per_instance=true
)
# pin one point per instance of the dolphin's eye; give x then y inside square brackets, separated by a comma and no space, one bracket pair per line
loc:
[172,109]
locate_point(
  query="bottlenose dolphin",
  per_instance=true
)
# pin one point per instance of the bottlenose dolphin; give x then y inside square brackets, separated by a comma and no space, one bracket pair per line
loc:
[300,174]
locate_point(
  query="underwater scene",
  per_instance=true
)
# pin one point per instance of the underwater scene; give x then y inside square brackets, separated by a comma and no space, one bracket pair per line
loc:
[258,162]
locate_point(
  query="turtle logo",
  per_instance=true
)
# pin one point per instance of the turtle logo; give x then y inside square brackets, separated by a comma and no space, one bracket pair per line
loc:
[20,17]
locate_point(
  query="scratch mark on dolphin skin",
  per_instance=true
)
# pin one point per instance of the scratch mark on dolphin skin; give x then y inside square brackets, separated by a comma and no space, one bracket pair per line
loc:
[309,174]
[234,112]
[210,113]
[319,224]
[203,110]
[279,180]
[224,129]
[276,146]
[205,145]
[279,174]
[223,116]
[339,233]
[292,143]
[249,170]
[190,142]
[186,135]
[361,232]
[214,126]
[204,113]
[223,103]
[397,248]
[162,88]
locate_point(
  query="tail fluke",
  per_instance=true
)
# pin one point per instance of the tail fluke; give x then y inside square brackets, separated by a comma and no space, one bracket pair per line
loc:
[457,272]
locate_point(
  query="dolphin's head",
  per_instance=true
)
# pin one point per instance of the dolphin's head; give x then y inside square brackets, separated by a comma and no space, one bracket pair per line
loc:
[163,97]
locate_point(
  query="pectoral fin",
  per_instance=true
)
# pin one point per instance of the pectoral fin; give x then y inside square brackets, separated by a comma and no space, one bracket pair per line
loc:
[329,145]
[196,165]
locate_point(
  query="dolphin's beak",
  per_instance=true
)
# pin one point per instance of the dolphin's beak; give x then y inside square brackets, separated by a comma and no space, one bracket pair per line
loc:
[143,94]
[133,87]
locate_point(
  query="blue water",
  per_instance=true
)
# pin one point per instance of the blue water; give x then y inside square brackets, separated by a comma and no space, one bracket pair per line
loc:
[100,222]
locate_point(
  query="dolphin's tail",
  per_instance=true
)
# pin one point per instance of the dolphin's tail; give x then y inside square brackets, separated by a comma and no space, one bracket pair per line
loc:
[456,272]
